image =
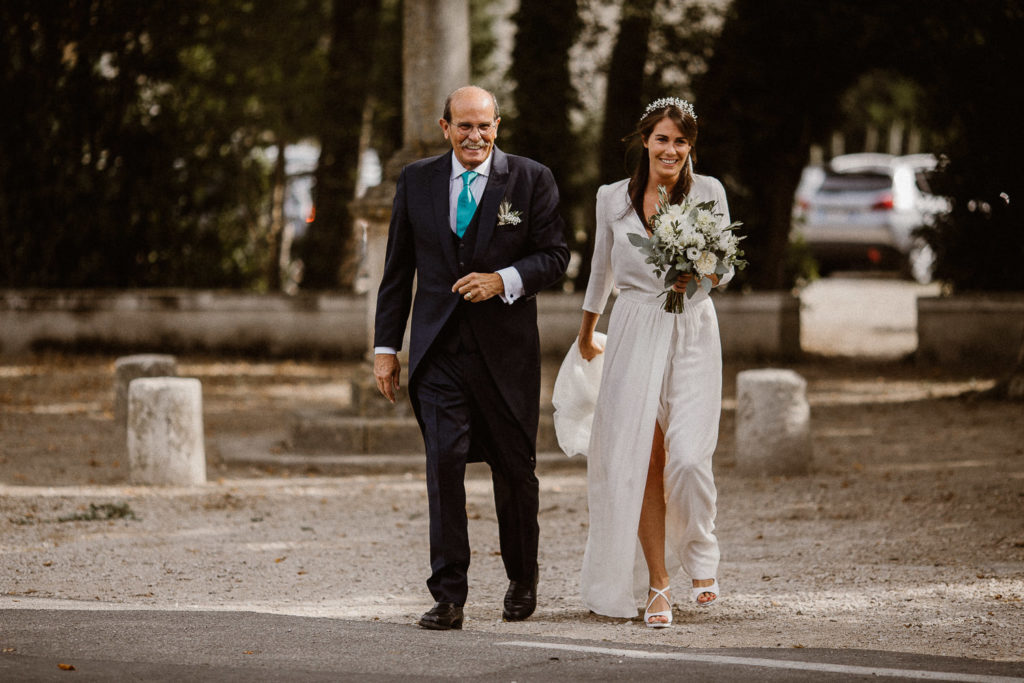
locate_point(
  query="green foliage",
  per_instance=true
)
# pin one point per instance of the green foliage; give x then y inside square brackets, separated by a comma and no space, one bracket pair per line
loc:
[624,100]
[544,94]
[974,99]
[879,98]
[682,42]
[775,84]
[330,243]
[801,266]
[482,41]
[130,146]
[102,512]
[979,244]
[386,83]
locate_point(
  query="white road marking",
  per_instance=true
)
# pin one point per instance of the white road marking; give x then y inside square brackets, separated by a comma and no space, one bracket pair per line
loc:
[773,663]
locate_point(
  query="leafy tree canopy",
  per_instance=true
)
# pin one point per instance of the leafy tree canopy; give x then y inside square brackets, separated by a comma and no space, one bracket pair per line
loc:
[775,83]
[129,151]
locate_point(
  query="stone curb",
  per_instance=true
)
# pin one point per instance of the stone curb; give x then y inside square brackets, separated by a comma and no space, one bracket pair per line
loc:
[313,432]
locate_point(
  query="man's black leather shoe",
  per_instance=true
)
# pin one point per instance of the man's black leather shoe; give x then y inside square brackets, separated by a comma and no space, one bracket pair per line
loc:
[442,617]
[520,599]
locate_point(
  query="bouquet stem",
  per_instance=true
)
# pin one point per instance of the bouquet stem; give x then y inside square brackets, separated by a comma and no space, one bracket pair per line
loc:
[674,301]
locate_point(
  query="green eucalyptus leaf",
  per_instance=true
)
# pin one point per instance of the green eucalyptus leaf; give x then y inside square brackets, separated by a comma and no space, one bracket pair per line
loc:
[637,240]
[671,276]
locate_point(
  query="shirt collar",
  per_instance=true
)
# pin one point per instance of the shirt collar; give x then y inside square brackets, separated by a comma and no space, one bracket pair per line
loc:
[483,169]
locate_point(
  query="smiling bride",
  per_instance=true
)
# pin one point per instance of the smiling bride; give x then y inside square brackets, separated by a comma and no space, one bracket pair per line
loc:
[651,490]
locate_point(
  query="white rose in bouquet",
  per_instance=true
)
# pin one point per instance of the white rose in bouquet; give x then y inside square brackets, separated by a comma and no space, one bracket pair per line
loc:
[706,264]
[688,238]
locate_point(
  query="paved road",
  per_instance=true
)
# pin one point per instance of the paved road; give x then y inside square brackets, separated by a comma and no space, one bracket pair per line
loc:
[156,645]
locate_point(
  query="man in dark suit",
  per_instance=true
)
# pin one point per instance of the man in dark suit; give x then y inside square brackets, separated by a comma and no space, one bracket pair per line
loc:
[481,233]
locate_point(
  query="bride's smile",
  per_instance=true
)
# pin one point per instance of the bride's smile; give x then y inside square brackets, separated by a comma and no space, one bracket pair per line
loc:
[668,149]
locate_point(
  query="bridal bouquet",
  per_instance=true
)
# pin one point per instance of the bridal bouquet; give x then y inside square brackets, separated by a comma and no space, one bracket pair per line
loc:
[687,238]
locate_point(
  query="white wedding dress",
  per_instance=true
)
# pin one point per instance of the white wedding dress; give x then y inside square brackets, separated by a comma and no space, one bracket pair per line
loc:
[660,367]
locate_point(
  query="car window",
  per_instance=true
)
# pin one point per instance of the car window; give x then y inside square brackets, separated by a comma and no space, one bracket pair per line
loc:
[856,182]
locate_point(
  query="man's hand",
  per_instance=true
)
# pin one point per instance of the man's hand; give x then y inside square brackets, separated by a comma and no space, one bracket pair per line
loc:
[386,370]
[479,286]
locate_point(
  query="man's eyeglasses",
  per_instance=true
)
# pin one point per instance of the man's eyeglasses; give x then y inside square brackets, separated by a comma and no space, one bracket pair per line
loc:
[467,128]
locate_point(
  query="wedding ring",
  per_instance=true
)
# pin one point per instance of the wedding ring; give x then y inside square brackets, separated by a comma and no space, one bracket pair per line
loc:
[469,296]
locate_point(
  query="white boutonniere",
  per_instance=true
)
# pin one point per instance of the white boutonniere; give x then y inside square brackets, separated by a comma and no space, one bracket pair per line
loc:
[506,216]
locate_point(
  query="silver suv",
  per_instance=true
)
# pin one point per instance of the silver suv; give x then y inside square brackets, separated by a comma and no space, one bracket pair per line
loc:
[864,211]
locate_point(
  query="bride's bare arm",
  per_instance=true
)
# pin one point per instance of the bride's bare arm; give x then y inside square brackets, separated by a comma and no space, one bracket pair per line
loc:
[588,349]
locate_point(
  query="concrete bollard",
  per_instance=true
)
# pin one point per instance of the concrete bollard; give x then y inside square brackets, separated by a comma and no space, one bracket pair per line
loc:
[128,368]
[773,435]
[165,431]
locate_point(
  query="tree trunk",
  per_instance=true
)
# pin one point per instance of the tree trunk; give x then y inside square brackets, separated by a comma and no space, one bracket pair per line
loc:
[330,241]
[277,218]
[624,100]
[545,32]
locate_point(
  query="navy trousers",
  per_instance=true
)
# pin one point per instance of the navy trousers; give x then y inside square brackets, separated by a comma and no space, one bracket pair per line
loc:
[464,419]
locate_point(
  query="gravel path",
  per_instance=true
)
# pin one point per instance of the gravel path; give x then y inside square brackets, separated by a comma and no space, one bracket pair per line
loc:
[908,536]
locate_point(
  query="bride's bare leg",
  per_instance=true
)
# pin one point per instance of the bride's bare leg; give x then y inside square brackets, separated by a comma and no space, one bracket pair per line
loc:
[652,523]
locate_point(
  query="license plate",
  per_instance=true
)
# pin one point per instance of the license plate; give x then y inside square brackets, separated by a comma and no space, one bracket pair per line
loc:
[836,215]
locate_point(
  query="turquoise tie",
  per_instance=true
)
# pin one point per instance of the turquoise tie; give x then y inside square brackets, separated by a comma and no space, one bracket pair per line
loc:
[466,207]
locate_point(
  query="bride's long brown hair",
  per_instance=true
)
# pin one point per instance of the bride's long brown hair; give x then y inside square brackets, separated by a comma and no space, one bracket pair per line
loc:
[638,182]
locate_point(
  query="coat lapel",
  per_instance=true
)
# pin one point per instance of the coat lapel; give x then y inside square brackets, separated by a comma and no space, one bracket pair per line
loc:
[493,194]
[440,183]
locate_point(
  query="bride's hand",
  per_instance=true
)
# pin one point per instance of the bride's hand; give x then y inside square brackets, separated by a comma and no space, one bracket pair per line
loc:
[681,282]
[590,350]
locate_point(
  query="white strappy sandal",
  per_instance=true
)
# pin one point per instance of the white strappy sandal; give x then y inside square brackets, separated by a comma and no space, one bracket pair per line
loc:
[697,591]
[667,613]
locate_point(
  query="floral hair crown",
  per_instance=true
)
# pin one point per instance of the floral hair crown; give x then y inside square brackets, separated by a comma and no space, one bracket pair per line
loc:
[682,105]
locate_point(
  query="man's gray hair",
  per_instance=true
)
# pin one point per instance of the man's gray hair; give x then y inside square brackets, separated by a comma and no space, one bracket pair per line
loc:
[448,101]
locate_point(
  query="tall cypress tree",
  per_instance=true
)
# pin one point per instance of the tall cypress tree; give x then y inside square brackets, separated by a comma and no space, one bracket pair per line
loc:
[544,94]
[624,98]
[350,63]
[625,95]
